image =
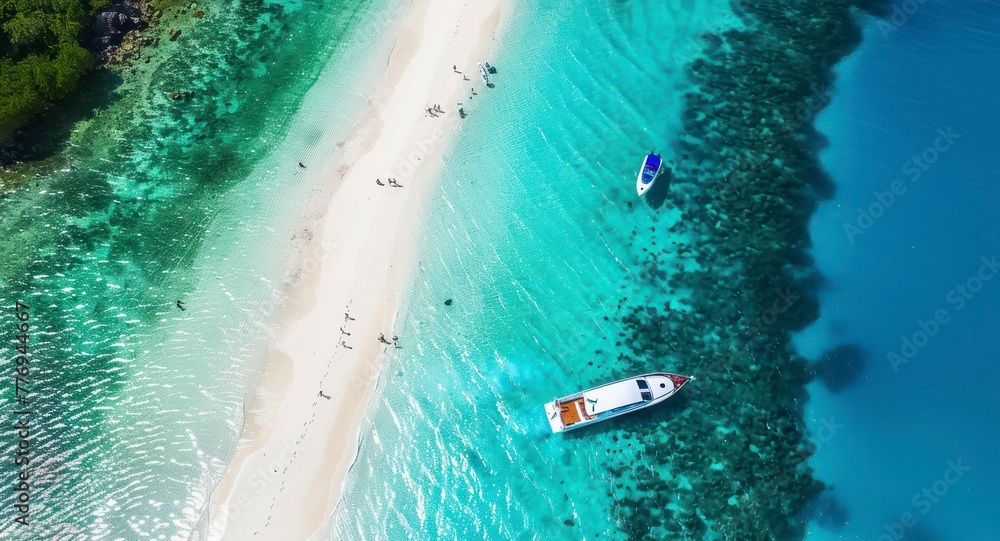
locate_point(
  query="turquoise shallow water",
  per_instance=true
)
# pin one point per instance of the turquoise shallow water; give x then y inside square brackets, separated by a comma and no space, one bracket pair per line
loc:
[559,277]
[551,263]
[137,405]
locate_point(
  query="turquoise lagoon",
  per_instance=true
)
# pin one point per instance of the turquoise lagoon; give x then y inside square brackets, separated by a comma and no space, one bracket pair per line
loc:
[559,277]
[137,405]
[542,273]
[532,237]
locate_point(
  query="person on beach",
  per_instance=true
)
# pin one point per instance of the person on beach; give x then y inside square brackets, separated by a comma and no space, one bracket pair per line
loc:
[180,304]
[379,182]
[302,165]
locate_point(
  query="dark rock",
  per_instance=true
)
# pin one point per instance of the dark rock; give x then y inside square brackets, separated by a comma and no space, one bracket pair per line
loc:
[174,32]
[110,24]
[180,95]
[447,302]
[198,14]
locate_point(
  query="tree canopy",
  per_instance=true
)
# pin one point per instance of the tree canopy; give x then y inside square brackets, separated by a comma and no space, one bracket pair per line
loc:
[41,58]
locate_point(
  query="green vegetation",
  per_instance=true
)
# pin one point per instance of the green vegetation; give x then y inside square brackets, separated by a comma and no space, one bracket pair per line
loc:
[41,58]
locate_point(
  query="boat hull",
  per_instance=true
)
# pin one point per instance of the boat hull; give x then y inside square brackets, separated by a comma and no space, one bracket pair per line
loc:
[571,412]
[484,73]
[652,166]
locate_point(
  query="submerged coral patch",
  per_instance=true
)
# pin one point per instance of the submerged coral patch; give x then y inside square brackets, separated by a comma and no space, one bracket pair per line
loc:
[729,461]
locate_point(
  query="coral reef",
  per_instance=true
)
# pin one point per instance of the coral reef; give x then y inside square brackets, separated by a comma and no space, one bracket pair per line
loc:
[730,460]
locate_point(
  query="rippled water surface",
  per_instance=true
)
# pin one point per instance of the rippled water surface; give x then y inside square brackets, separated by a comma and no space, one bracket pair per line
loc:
[539,273]
[135,404]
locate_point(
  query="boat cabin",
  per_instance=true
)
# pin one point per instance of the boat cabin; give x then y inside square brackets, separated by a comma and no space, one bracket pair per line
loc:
[608,399]
[612,399]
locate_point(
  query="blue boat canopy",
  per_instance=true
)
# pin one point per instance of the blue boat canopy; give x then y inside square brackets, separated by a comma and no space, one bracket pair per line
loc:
[650,167]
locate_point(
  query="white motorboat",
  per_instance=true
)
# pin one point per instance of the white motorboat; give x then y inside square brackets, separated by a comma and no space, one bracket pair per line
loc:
[611,400]
[651,168]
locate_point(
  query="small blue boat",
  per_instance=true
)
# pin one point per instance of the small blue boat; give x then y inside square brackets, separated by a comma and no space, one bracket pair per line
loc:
[651,167]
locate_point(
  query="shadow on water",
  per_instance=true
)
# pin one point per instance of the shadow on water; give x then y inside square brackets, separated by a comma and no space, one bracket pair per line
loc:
[841,367]
[48,133]
[660,190]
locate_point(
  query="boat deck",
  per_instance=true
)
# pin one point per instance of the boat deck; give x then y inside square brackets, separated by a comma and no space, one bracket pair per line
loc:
[572,412]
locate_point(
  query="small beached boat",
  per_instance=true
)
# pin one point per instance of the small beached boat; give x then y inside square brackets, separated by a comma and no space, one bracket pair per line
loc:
[651,168]
[484,73]
[611,400]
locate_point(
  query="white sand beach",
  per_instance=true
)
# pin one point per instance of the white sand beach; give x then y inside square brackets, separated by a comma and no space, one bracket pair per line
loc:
[302,423]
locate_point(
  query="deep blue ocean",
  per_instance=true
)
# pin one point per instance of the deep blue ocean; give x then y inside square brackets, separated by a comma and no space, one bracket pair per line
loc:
[909,447]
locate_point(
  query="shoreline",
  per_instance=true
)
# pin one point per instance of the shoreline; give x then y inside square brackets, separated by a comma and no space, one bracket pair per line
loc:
[297,445]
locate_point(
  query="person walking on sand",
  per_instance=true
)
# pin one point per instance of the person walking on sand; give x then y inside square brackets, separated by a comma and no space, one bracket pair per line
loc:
[379,182]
